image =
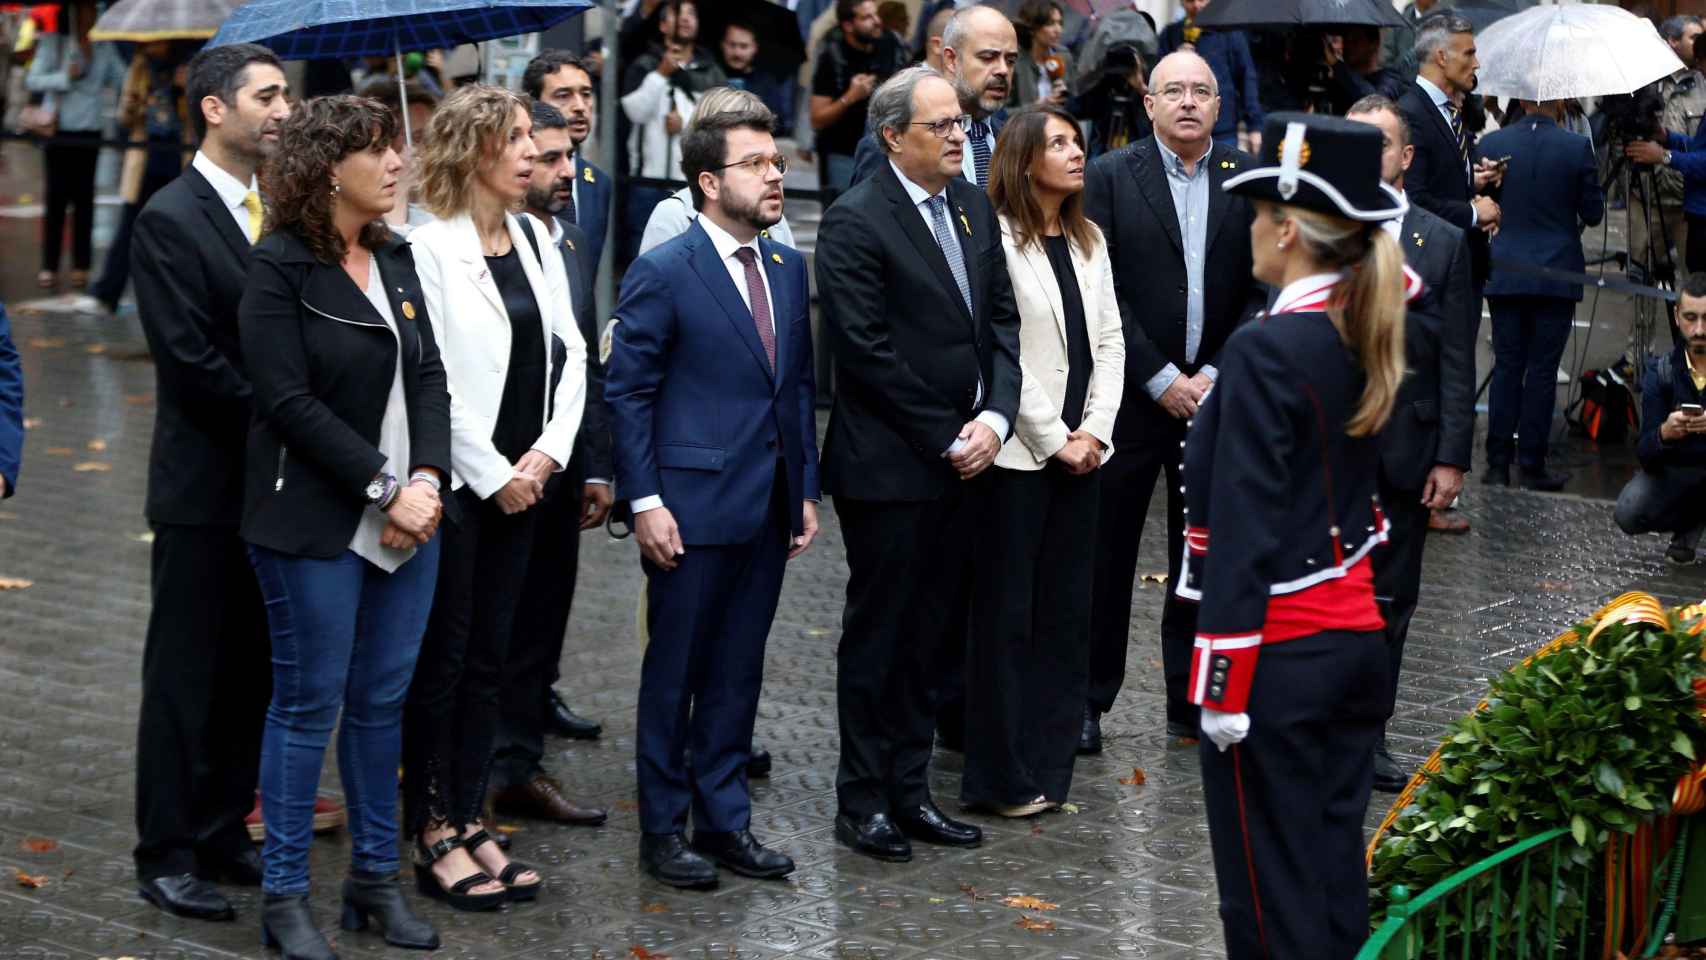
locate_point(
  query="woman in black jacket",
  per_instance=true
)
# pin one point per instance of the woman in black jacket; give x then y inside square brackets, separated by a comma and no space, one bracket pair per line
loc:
[349,445]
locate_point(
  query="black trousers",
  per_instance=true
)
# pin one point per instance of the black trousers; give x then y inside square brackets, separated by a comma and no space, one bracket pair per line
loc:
[206,682]
[1285,807]
[906,562]
[1696,246]
[1667,500]
[1128,481]
[451,719]
[1028,662]
[1398,570]
[70,183]
[1529,336]
[541,623]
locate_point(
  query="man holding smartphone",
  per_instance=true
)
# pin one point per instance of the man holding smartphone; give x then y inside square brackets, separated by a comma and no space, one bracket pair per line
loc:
[1667,494]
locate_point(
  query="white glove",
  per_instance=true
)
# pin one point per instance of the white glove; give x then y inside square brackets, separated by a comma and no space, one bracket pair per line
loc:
[1225,729]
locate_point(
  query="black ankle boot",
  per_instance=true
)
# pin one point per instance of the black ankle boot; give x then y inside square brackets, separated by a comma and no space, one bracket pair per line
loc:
[287,926]
[376,896]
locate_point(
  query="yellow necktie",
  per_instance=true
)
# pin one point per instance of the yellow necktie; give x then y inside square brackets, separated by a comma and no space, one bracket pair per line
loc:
[252,203]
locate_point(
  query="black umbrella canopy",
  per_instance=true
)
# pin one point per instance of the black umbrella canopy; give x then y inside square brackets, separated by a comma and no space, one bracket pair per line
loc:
[780,45]
[1292,13]
[1484,13]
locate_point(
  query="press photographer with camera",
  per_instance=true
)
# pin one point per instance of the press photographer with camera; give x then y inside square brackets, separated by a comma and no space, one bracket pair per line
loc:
[1666,494]
[1657,228]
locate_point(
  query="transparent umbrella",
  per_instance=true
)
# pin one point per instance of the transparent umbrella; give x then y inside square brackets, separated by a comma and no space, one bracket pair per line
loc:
[1571,50]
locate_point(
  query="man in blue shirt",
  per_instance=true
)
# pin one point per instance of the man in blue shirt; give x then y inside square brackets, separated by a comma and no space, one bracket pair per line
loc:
[1687,156]
[1228,55]
[11,408]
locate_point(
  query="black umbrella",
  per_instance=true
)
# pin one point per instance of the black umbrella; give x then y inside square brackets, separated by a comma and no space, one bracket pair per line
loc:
[776,28]
[1484,13]
[1298,13]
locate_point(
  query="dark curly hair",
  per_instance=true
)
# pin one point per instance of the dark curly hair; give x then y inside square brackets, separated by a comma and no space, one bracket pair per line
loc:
[298,177]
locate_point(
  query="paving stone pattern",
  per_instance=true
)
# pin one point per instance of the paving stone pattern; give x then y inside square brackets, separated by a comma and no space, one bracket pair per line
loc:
[1129,871]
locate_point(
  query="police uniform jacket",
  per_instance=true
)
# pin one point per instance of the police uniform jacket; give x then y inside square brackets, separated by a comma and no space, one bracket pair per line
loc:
[1280,499]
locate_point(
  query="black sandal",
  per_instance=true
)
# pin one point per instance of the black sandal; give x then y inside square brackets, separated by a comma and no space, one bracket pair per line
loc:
[457,895]
[516,891]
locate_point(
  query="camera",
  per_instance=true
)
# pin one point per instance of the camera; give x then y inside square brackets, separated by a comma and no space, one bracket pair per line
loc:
[1633,116]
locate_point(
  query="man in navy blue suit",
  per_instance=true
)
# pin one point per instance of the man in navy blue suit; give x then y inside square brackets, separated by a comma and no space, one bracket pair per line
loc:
[11,408]
[561,80]
[979,49]
[1551,191]
[711,397]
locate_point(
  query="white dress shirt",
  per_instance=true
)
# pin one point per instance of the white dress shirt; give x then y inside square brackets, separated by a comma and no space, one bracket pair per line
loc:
[230,189]
[726,245]
[921,202]
[393,441]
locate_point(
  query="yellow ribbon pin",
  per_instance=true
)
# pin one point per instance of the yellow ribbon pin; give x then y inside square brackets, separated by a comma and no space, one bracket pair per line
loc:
[408,310]
[571,243]
[586,173]
[776,257]
[1418,238]
[966,224]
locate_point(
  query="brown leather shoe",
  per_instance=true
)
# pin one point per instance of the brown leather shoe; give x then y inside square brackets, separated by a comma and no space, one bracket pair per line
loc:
[1447,521]
[541,798]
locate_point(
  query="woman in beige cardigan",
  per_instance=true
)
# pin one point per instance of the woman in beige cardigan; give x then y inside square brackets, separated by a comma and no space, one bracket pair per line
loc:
[1028,657]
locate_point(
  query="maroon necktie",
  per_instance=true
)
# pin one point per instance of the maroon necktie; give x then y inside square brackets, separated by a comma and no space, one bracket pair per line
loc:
[760,304]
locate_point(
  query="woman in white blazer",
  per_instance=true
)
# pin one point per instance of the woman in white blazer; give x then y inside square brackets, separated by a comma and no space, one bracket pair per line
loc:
[1028,657]
[495,306]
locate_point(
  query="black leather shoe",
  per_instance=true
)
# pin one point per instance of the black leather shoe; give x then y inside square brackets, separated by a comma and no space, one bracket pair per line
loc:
[1544,480]
[376,897]
[757,765]
[187,896]
[1388,776]
[668,858]
[244,869]
[1497,475]
[928,823]
[741,852]
[567,723]
[874,836]
[288,927]
[1090,736]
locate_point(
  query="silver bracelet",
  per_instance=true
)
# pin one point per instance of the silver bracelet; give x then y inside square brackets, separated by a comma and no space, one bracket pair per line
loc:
[427,476]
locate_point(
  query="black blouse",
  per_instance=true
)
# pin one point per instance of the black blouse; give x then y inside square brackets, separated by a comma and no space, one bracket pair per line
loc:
[1078,359]
[522,411]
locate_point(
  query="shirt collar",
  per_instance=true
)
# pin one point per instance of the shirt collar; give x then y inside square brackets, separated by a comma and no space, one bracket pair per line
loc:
[1176,164]
[1395,225]
[725,243]
[914,192]
[557,230]
[231,190]
[1300,289]
[1434,93]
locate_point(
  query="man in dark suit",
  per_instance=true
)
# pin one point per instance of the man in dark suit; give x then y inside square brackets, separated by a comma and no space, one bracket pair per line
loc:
[1551,190]
[1441,178]
[560,79]
[11,408]
[206,671]
[979,50]
[575,500]
[1425,448]
[712,402]
[1181,252]
[919,315]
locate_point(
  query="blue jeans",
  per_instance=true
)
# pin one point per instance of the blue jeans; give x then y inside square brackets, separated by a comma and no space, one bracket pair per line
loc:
[345,634]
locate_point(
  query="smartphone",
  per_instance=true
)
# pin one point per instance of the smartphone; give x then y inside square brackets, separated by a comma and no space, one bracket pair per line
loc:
[1691,409]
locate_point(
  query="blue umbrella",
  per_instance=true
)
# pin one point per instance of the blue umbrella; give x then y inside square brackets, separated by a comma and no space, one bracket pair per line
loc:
[340,29]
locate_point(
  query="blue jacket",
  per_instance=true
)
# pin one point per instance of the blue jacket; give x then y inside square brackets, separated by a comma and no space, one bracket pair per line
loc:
[1551,190]
[11,406]
[696,414]
[1666,387]
[1688,157]
[592,209]
[1228,55]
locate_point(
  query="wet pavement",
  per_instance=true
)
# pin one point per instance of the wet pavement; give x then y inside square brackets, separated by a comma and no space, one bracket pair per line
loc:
[1128,873]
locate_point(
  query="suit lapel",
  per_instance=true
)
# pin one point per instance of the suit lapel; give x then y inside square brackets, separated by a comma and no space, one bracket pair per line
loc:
[1152,182]
[219,215]
[1222,165]
[1042,276]
[923,240]
[1438,118]
[717,281]
[474,263]
[959,219]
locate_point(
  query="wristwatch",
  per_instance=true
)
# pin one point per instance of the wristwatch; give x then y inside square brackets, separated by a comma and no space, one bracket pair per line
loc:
[1667,158]
[379,489]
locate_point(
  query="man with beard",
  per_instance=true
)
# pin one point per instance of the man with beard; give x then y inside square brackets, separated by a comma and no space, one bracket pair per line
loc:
[979,50]
[560,79]
[1669,492]
[1426,446]
[575,500]
[859,57]
[711,403]
[206,675]
[739,53]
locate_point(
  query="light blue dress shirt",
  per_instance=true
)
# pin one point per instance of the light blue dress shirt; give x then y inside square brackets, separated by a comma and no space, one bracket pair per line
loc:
[81,104]
[1190,204]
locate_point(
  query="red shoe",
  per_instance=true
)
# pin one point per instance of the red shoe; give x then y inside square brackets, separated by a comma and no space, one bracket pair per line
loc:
[329,815]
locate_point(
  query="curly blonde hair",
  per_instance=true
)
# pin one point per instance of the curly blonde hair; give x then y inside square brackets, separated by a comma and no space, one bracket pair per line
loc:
[467,131]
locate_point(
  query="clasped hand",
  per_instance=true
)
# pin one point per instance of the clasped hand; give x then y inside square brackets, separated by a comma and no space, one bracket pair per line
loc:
[1185,394]
[528,483]
[1082,453]
[413,516]
[978,452]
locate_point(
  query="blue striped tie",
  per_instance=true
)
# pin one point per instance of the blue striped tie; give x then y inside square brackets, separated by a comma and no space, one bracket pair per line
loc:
[980,152]
[950,249]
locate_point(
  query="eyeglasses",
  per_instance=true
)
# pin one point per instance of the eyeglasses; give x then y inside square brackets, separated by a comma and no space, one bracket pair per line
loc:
[757,166]
[939,128]
[1175,92]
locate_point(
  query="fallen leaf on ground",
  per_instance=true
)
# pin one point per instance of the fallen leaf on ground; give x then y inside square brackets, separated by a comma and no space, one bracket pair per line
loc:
[1154,578]
[47,343]
[144,537]
[1036,829]
[937,900]
[507,828]
[627,806]
[93,466]
[27,881]
[15,583]
[1069,807]
[655,908]
[1032,923]
[7,515]
[30,423]
[1029,903]
[59,451]
[641,953]
[139,399]
[97,444]
[96,348]
[970,891]
[38,845]
[1137,779]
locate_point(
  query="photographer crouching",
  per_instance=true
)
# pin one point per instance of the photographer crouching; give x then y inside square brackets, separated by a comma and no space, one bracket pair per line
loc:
[1669,492]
